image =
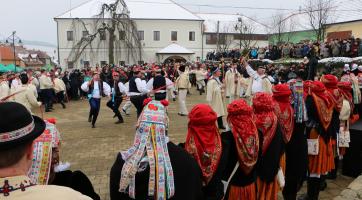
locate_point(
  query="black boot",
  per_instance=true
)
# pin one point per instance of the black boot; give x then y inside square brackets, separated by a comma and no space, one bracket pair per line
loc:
[333,174]
[313,188]
[220,123]
[120,119]
[289,196]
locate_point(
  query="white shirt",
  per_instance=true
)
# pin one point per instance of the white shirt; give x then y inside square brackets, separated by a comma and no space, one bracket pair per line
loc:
[96,92]
[122,88]
[169,85]
[257,82]
[141,87]
[4,89]
[15,84]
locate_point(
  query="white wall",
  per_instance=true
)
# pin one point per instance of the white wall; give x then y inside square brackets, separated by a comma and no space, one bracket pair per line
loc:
[99,52]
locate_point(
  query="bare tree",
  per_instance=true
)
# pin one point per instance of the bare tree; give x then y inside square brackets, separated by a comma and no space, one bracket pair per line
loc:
[245,33]
[225,38]
[112,18]
[319,13]
[278,28]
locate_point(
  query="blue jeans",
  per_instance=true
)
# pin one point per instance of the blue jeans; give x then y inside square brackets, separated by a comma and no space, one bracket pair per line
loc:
[95,105]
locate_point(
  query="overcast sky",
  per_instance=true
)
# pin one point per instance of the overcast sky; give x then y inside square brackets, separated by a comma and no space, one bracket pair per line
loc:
[33,19]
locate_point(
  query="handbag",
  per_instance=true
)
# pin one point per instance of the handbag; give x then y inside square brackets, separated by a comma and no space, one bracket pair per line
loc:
[313,146]
[344,136]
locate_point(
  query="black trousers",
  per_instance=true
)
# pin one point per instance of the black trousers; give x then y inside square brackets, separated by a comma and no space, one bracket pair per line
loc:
[296,162]
[160,96]
[60,98]
[47,95]
[95,105]
[352,160]
[114,106]
[137,101]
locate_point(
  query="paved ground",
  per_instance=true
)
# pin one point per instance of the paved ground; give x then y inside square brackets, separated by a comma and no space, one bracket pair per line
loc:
[93,151]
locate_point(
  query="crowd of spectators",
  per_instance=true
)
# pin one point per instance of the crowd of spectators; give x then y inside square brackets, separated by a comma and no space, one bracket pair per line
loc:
[333,48]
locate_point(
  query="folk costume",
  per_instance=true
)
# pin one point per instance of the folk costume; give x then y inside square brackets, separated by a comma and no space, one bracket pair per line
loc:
[160,85]
[232,84]
[320,108]
[330,82]
[95,90]
[214,96]
[258,83]
[295,166]
[182,85]
[201,75]
[345,89]
[245,149]
[272,148]
[154,167]
[46,90]
[18,128]
[45,160]
[4,87]
[204,144]
[137,92]
[118,91]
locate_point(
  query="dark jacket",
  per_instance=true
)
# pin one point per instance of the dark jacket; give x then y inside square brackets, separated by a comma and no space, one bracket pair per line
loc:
[187,176]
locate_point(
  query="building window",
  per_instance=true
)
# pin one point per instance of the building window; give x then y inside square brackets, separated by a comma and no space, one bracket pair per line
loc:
[156,35]
[173,35]
[102,35]
[85,33]
[211,39]
[103,63]
[70,65]
[141,62]
[141,35]
[70,35]
[122,35]
[192,36]
[86,64]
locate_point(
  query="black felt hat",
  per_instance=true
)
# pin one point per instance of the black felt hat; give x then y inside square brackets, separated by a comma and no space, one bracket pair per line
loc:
[18,126]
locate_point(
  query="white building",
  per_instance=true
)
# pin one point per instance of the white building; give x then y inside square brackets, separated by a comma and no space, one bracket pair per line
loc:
[235,32]
[166,30]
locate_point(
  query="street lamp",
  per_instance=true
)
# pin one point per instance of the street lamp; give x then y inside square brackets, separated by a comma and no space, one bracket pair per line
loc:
[14,38]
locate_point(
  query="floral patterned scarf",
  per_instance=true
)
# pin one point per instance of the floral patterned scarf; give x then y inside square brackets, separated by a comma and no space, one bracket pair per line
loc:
[150,147]
[284,110]
[203,140]
[242,120]
[266,120]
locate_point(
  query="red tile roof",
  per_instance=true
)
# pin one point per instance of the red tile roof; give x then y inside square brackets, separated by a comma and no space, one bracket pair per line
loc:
[6,53]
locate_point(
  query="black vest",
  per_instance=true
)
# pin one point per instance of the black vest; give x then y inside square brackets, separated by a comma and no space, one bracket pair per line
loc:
[116,88]
[159,83]
[100,86]
[132,85]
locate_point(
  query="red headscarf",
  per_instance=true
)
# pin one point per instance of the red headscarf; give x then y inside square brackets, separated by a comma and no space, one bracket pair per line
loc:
[324,103]
[331,82]
[346,90]
[266,120]
[307,87]
[283,109]
[242,120]
[203,140]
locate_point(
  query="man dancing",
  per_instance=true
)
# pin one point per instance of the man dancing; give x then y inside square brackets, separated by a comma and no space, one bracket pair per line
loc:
[118,91]
[95,89]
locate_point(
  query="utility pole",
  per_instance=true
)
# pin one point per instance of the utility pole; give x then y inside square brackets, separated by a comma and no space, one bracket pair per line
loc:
[13,39]
[218,36]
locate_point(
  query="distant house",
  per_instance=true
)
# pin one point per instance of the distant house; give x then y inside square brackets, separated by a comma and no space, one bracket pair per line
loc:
[344,30]
[7,57]
[232,31]
[31,60]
